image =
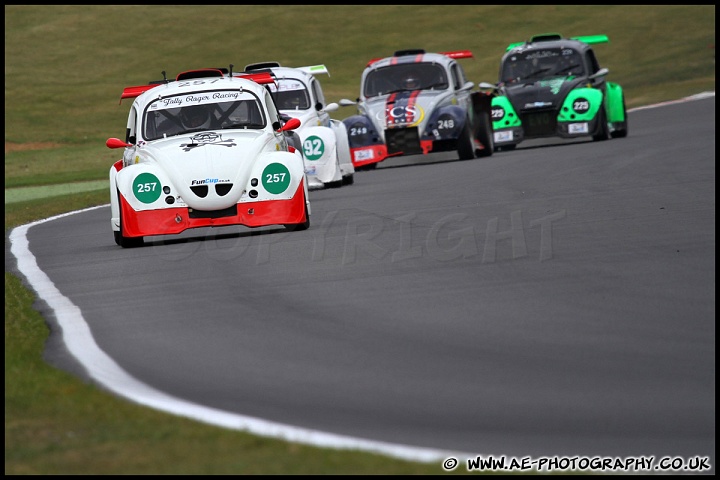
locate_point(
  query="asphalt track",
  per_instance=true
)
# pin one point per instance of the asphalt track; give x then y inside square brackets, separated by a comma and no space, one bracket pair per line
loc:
[554,300]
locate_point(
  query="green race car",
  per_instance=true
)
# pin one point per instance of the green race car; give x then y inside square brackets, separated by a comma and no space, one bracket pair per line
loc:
[552,86]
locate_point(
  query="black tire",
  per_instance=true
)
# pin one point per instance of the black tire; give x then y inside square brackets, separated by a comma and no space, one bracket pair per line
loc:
[465,145]
[603,132]
[120,239]
[348,179]
[621,128]
[485,136]
[336,184]
[298,227]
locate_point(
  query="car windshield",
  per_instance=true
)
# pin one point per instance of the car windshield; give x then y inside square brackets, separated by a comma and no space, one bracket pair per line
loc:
[187,113]
[538,64]
[405,77]
[290,94]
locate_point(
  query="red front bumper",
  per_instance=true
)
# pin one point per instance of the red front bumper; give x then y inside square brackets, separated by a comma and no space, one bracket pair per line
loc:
[169,221]
[379,153]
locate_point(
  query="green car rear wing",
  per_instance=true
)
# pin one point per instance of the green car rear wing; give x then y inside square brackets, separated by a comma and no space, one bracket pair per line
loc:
[547,37]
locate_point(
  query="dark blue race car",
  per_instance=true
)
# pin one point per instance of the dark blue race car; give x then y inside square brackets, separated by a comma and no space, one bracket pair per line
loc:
[414,103]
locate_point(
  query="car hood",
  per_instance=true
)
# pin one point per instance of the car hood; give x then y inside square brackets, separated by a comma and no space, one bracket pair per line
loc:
[541,94]
[210,158]
[404,109]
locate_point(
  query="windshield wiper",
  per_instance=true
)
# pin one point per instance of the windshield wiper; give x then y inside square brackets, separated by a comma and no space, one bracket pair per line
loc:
[397,90]
[565,71]
[439,85]
[237,125]
[537,72]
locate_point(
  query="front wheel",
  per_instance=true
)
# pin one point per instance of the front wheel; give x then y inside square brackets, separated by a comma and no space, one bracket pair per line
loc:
[621,128]
[466,147]
[603,131]
[485,136]
[298,227]
[120,239]
[128,242]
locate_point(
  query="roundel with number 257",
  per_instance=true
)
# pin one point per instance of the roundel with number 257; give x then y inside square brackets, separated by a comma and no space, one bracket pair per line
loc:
[276,178]
[146,187]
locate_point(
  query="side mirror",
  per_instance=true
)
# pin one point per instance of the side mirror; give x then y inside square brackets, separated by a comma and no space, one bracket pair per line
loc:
[468,86]
[116,143]
[345,102]
[486,85]
[291,124]
[331,107]
[600,73]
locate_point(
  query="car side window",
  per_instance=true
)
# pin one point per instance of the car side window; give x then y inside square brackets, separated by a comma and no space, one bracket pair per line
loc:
[461,75]
[592,61]
[273,115]
[317,91]
[131,131]
[456,75]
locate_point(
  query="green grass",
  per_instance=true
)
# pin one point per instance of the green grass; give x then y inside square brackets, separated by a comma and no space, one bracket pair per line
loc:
[65,67]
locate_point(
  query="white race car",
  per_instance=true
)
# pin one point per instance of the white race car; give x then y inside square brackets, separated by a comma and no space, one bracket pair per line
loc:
[324,141]
[206,149]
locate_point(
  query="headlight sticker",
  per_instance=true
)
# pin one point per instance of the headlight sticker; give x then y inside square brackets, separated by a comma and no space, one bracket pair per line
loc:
[276,178]
[581,105]
[146,187]
[313,147]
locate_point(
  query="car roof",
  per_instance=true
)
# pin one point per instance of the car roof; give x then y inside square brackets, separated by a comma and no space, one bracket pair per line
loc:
[221,80]
[418,55]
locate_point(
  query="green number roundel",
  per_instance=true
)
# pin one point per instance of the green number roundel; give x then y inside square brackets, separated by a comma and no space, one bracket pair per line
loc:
[146,188]
[313,147]
[276,178]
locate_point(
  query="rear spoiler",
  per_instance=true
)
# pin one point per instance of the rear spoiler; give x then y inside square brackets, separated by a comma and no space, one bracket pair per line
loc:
[455,54]
[202,73]
[315,69]
[132,92]
[591,39]
[458,54]
[262,78]
[136,91]
[266,66]
[546,37]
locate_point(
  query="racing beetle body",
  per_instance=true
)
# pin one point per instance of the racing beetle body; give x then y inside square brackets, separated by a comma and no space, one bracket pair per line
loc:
[552,86]
[231,165]
[323,140]
[417,103]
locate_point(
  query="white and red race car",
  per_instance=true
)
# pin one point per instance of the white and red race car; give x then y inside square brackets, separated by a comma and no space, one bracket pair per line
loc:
[206,149]
[323,140]
[415,103]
